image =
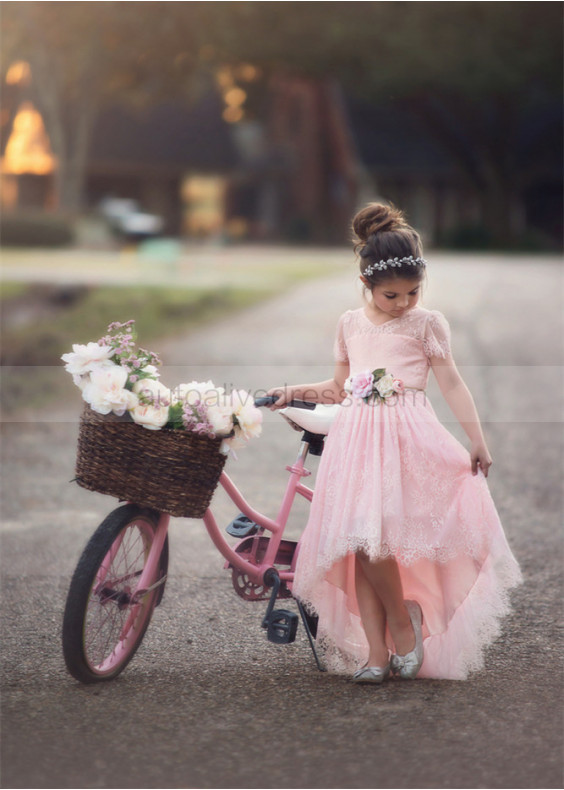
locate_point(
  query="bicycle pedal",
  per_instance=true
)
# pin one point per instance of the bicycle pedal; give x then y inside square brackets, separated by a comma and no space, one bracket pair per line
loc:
[241,527]
[282,627]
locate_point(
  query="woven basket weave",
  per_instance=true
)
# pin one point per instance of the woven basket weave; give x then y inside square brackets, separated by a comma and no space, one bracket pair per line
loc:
[173,471]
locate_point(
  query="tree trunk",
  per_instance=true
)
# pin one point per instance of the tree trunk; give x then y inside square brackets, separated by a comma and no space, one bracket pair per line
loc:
[68,123]
[73,179]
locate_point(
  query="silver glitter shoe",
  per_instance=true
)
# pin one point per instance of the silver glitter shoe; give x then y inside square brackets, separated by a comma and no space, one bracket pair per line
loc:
[409,665]
[371,674]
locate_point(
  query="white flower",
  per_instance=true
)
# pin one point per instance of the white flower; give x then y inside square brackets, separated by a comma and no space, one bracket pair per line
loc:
[81,381]
[247,414]
[197,391]
[220,417]
[232,443]
[151,370]
[84,359]
[105,392]
[385,385]
[151,417]
[153,390]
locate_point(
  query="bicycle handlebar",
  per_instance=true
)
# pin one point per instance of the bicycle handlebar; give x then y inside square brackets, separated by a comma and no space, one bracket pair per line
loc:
[268,400]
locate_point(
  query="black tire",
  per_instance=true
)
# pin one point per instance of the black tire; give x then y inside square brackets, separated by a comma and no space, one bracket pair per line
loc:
[101,630]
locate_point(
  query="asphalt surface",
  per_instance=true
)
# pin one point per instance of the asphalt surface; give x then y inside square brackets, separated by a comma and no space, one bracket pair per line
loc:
[208,702]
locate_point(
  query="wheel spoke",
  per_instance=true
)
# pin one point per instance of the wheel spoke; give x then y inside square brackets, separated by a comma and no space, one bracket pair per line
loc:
[110,618]
[107,611]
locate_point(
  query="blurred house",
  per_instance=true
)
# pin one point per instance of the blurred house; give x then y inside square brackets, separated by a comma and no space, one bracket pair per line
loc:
[27,163]
[296,172]
[415,172]
[291,176]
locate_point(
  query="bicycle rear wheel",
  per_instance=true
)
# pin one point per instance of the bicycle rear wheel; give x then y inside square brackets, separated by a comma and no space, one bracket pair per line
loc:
[104,623]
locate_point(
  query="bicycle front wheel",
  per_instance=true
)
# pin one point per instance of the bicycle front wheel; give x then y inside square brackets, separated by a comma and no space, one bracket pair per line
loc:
[104,621]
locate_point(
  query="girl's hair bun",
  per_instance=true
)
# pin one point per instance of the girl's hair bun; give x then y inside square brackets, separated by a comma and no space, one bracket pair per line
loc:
[382,232]
[377,218]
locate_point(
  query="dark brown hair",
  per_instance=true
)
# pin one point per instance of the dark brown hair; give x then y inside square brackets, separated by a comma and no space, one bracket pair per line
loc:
[382,232]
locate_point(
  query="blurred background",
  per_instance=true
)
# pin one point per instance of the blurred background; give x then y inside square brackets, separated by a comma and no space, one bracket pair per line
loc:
[195,166]
[256,121]
[206,155]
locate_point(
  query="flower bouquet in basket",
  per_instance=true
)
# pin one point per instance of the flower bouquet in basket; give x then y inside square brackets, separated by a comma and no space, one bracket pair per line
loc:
[141,441]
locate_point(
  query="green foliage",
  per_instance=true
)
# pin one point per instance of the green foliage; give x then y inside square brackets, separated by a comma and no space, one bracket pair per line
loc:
[31,353]
[479,238]
[35,230]
[138,50]
[473,73]
[175,420]
[468,237]
[400,49]
[158,311]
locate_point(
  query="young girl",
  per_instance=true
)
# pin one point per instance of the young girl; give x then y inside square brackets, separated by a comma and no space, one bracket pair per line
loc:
[403,558]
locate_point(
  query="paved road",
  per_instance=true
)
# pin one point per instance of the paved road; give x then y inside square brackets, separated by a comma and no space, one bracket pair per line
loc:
[208,702]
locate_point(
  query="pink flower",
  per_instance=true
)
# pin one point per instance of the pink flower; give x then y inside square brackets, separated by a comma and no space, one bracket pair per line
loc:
[398,385]
[362,384]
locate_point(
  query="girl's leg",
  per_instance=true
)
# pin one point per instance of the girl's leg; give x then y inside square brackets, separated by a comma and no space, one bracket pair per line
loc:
[384,578]
[373,616]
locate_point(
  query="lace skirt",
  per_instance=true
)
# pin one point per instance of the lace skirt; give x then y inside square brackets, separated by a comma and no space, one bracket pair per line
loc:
[393,481]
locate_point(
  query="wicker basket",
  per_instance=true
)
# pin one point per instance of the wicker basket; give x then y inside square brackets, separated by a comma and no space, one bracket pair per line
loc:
[173,471]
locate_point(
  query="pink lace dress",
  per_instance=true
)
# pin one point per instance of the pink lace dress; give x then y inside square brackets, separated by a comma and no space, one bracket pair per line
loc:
[394,481]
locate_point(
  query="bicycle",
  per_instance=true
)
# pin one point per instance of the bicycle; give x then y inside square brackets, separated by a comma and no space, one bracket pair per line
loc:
[121,575]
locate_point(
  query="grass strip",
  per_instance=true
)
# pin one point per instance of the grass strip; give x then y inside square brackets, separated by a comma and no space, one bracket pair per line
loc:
[42,322]
[45,323]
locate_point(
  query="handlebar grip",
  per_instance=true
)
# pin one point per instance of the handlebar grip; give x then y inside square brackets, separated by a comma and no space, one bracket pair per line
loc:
[268,400]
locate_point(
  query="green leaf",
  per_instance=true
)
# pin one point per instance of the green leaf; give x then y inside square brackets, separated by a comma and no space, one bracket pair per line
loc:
[141,374]
[175,420]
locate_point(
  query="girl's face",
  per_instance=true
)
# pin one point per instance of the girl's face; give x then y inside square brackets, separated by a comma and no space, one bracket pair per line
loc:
[394,297]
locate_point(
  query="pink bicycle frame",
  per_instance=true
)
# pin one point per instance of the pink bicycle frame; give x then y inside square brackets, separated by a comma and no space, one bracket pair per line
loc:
[255,571]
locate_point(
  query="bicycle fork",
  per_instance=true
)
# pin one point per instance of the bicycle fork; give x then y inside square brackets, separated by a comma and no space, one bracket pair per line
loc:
[144,585]
[149,571]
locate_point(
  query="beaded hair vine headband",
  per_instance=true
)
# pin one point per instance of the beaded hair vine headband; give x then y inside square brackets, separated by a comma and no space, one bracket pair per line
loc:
[378,267]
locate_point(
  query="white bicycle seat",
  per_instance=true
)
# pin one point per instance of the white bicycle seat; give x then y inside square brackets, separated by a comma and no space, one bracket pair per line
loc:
[317,420]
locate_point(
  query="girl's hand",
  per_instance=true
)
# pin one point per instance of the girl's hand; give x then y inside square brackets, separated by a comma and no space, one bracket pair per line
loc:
[285,396]
[480,457]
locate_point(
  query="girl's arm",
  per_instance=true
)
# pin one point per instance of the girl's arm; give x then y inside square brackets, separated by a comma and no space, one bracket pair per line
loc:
[460,400]
[330,391]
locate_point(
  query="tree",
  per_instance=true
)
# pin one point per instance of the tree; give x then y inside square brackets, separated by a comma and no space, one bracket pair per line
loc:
[482,78]
[86,55]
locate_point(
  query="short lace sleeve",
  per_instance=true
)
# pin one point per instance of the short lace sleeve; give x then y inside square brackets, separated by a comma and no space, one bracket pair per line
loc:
[340,352]
[436,340]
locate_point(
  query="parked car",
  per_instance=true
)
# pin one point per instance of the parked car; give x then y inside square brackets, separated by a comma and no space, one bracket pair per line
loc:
[127,220]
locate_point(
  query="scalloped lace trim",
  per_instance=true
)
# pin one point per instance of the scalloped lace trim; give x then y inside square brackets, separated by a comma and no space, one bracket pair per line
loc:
[477,618]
